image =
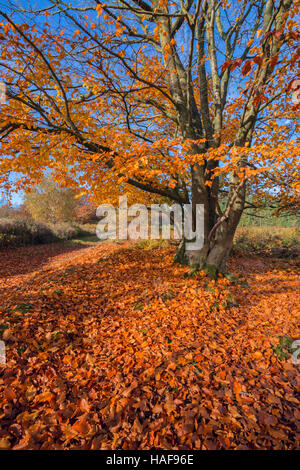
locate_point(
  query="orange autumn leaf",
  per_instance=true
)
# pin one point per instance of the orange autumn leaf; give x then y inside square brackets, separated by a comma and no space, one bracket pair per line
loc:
[237,387]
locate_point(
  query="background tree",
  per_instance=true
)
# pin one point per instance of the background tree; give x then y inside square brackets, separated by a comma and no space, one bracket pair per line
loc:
[184,100]
[49,203]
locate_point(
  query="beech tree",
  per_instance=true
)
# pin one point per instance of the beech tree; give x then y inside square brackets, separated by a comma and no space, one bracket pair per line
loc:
[191,101]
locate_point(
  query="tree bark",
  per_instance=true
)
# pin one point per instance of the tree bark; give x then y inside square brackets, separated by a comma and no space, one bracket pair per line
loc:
[213,255]
[218,233]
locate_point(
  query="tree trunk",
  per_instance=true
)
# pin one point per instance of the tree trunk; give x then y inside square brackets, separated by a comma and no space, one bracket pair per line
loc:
[218,233]
[213,255]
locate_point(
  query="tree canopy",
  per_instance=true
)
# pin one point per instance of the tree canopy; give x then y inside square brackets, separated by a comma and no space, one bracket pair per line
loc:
[181,100]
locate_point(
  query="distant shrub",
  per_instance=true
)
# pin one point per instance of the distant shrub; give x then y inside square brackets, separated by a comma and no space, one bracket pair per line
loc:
[64,230]
[152,244]
[281,242]
[6,225]
[15,232]
[9,212]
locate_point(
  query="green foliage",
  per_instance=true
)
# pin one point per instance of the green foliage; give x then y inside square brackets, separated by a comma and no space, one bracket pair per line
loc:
[23,307]
[168,295]
[181,257]
[231,301]
[211,270]
[194,270]
[138,306]
[3,327]
[151,244]
[265,217]
[231,277]
[284,348]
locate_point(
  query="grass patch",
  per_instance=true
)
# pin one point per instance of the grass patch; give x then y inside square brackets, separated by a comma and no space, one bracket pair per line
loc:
[284,348]
[278,242]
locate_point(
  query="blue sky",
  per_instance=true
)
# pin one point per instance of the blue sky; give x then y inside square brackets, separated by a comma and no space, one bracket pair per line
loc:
[16,198]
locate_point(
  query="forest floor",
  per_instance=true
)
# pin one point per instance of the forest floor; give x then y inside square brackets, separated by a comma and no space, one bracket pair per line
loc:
[112,346]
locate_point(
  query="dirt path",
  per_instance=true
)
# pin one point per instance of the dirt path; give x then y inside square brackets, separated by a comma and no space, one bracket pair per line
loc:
[19,266]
